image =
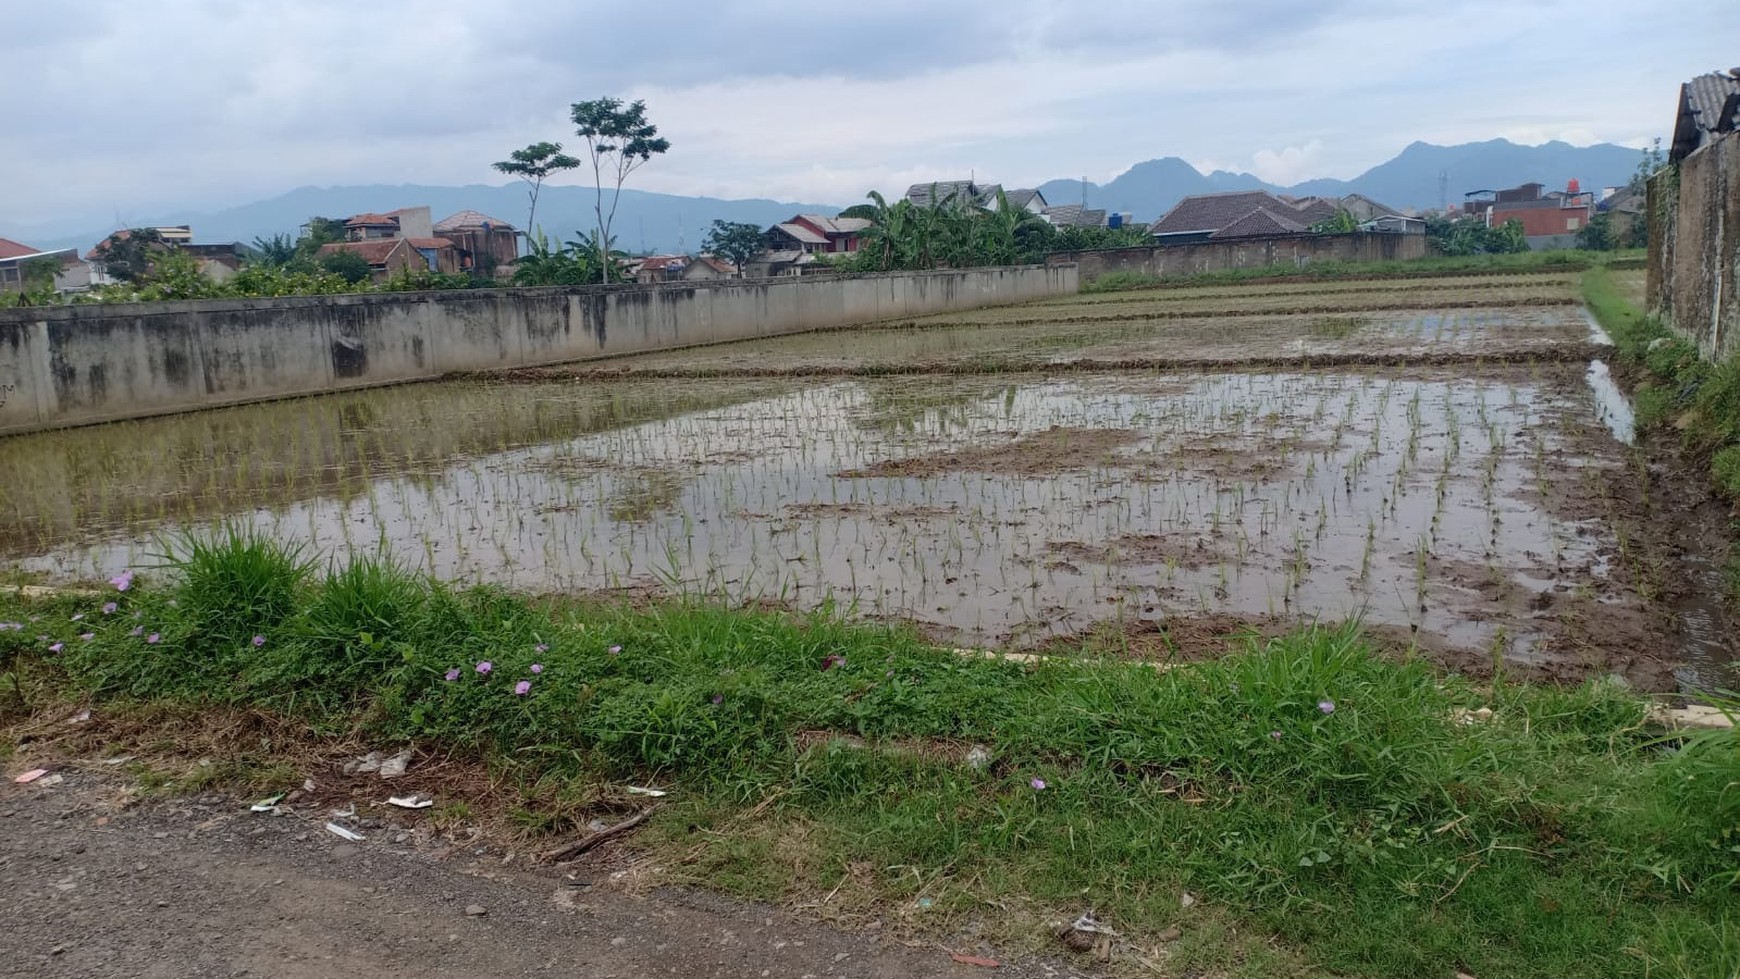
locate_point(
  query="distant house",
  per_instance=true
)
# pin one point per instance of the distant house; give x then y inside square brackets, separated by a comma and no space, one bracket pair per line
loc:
[1076,216]
[660,268]
[1365,209]
[406,222]
[217,262]
[483,242]
[16,260]
[966,193]
[1199,216]
[1027,199]
[385,256]
[1550,219]
[1260,214]
[777,262]
[815,234]
[707,268]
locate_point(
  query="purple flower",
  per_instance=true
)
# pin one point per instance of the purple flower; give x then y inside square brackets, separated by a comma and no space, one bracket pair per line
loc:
[57,647]
[484,667]
[1038,784]
[122,581]
[614,650]
[87,637]
[138,629]
[78,616]
[1275,734]
[259,641]
[537,667]
[1326,706]
[522,688]
[453,674]
[109,608]
[542,647]
[154,638]
[718,698]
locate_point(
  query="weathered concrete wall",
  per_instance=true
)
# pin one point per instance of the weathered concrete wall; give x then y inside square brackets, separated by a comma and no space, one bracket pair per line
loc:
[1172,261]
[1694,247]
[70,365]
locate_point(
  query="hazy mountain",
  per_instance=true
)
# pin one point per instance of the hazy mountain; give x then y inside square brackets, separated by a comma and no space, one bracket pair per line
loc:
[1149,189]
[659,222]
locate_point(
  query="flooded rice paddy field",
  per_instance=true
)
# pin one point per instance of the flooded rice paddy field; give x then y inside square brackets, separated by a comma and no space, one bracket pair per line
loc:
[1486,514]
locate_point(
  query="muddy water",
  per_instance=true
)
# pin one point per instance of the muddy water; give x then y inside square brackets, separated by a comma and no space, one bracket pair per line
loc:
[1414,502]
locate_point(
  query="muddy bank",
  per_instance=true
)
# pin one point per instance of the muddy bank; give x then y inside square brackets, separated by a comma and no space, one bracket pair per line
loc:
[1570,353]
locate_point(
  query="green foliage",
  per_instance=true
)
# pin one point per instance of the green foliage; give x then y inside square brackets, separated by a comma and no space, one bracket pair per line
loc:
[128,255]
[1725,466]
[534,165]
[904,236]
[276,251]
[1323,795]
[420,279]
[1342,223]
[574,263]
[347,265]
[619,140]
[1471,236]
[734,241]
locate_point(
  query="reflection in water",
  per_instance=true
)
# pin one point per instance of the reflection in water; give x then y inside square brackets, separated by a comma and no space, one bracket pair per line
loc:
[1611,405]
[1404,500]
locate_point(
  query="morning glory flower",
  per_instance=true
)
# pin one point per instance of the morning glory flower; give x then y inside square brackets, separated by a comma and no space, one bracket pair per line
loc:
[522,688]
[537,667]
[122,581]
[57,647]
[1326,706]
[109,608]
[154,638]
[452,674]
[485,666]
[259,641]
[1038,784]
[615,650]
[542,647]
[87,637]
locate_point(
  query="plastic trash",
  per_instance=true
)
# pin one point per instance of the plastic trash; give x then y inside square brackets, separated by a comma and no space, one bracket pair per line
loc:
[395,766]
[410,801]
[342,833]
[639,790]
[268,804]
[31,776]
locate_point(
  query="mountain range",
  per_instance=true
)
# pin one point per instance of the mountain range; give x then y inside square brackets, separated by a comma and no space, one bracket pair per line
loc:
[664,222]
[1411,180]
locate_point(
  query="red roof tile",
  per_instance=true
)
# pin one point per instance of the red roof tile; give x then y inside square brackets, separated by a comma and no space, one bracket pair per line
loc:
[13,249]
[374,252]
[370,220]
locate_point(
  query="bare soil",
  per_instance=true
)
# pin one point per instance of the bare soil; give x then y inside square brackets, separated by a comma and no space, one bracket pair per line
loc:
[1059,449]
[101,884]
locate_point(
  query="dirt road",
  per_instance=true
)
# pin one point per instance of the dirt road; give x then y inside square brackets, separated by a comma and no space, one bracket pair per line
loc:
[91,887]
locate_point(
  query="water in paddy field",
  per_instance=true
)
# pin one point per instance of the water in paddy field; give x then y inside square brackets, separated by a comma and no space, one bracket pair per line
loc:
[989,510]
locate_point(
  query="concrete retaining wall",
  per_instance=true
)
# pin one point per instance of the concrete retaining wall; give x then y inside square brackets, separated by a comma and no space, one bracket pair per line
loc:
[1172,261]
[71,365]
[1694,247]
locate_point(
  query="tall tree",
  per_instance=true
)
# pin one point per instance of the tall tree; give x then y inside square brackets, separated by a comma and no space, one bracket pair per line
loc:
[620,141]
[534,165]
[735,241]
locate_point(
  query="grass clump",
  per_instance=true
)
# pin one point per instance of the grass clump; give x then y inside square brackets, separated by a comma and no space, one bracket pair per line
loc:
[1304,788]
[1422,268]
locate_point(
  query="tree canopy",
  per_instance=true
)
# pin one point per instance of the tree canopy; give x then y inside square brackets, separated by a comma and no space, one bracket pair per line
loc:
[619,140]
[735,241]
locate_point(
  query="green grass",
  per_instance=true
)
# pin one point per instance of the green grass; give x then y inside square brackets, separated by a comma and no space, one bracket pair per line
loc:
[1555,261]
[1374,837]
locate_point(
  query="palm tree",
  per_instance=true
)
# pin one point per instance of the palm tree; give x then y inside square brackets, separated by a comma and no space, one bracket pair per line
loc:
[275,251]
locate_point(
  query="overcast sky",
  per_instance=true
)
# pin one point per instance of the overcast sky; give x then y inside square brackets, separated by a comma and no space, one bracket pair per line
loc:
[124,109]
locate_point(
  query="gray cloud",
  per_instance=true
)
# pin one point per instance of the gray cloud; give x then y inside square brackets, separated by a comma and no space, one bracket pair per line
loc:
[143,109]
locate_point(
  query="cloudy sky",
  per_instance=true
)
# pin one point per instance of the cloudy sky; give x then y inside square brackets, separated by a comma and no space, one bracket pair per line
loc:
[121,109]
